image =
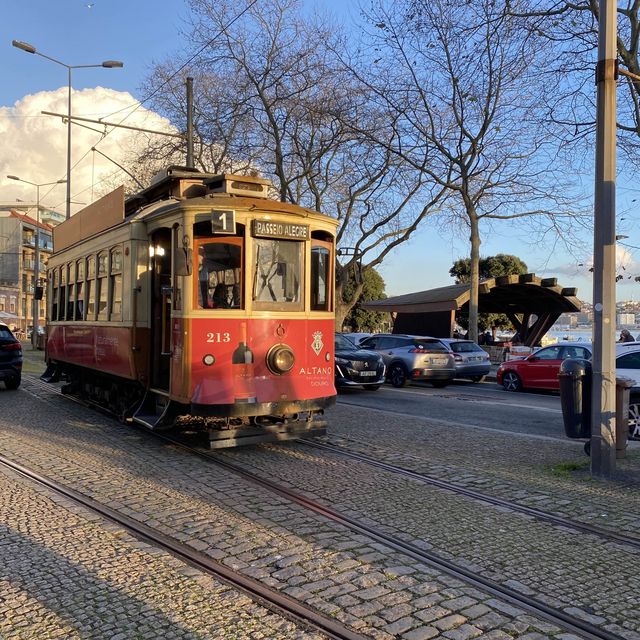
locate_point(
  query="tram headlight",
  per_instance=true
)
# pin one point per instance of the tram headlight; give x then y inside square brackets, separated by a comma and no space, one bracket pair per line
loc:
[280,359]
[209,359]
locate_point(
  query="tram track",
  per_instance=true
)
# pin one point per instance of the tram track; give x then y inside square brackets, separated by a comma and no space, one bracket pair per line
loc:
[274,600]
[452,487]
[532,605]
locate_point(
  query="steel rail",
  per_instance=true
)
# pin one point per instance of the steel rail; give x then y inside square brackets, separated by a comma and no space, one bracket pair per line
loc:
[272,599]
[621,538]
[532,605]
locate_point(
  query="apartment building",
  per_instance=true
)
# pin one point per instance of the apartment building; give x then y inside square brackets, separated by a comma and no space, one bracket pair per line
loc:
[21,226]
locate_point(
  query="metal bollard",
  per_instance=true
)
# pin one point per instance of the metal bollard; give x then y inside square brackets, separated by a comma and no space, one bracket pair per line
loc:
[623,386]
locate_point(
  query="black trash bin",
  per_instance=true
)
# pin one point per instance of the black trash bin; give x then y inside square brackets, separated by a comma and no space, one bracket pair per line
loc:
[575,397]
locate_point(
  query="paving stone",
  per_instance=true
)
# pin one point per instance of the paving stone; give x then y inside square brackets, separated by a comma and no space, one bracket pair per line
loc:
[449,622]
[421,633]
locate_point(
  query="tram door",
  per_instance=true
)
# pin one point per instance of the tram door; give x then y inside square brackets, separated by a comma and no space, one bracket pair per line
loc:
[162,293]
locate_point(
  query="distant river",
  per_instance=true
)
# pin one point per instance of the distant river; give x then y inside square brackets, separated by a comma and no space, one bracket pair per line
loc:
[580,334]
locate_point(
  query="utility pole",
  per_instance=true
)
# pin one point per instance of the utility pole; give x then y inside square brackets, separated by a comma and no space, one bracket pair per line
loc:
[603,424]
[190,163]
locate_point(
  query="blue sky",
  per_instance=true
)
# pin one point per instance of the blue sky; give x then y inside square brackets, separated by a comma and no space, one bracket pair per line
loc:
[83,32]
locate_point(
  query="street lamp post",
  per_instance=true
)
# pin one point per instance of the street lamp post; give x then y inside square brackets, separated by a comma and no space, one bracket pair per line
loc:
[108,64]
[36,266]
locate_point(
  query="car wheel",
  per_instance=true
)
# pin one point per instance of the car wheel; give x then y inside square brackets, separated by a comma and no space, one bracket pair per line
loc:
[12,383]
[439,384]
[477,378]
[373,387]
[634,418]
[398,376]
[511,381]
[587,447]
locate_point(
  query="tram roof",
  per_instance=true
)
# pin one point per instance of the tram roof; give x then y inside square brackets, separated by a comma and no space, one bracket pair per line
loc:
[175,186]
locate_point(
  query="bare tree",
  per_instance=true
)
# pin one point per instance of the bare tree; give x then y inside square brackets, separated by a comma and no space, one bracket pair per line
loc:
[463,98]
[571,30]
[272,95]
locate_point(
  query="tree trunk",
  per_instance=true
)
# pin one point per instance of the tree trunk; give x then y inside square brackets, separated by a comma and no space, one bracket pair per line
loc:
[475,277]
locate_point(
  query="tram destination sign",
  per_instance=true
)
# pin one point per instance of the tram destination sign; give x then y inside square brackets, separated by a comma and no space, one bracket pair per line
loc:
[284,230]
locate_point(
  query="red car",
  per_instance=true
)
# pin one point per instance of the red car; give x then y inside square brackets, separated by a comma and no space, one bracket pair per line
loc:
[540,369]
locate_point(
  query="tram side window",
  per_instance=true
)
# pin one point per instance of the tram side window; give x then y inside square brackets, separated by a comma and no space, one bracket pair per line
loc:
[79,310]
[320,277]
[102,291]
[278,273]
[63,292]
[115,312]
[71,286]
[219,274]
[53,277]
[91,292]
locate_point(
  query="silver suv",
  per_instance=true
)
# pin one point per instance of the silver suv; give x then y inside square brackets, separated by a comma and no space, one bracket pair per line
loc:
[413,358]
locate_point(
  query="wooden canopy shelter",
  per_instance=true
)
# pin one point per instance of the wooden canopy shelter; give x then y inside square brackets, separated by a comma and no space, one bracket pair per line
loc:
[532,304]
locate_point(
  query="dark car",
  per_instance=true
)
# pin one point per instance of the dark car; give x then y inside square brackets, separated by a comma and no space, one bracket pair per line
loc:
[10,358]
[472,361]
[356,366]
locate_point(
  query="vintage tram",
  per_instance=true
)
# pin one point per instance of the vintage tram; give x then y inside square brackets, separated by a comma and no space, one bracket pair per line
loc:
[198,303]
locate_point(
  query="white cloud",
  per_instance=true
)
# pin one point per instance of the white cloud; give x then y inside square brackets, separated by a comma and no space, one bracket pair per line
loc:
[34,146]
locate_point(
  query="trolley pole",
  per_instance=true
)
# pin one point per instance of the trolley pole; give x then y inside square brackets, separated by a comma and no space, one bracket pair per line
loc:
[603,446]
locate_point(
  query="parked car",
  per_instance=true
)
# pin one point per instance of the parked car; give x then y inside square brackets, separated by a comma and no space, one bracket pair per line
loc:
[10,358]
[413,358]
[540,369]
[356,366]
[357,338]
[471,360]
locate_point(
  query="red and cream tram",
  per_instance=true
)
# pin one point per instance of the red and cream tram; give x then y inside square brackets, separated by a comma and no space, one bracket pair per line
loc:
[198,301]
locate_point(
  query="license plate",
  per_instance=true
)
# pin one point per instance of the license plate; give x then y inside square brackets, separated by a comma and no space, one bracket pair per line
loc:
[368,373]
[438,361]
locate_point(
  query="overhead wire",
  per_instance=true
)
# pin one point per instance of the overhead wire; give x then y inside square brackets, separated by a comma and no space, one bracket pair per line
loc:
[155,91]
[163,84]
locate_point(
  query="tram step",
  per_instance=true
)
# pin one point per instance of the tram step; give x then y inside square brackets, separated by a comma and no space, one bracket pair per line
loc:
[153,412]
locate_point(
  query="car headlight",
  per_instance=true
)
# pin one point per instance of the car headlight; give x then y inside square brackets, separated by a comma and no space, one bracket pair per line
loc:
[343,362]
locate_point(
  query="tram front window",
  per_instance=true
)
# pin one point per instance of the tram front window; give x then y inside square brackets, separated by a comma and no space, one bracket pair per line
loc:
[219,274]
[278,274]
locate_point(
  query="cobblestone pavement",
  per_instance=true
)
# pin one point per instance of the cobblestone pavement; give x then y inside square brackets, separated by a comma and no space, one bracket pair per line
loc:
[379,592]
[532,472]
[66,573]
